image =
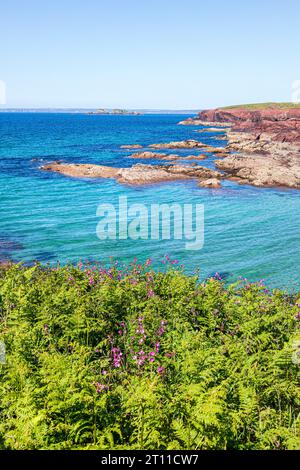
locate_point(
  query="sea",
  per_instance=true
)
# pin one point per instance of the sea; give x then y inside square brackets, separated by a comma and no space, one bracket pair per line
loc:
[249,232]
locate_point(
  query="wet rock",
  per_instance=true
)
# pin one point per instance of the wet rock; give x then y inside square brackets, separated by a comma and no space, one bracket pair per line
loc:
[153,155]
[82,170]
[202,156]
[137,174]
[191,144]
[222,154]
[145,174]
[185,144]
[210,183]
[131,146]
[262,170]
[202,122]
[210,129]
[164,156]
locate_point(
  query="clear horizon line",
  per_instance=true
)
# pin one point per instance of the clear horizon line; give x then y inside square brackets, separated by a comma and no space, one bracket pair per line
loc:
[96,108]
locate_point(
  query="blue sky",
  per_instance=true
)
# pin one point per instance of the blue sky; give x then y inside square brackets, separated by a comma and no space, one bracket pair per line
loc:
[170,54]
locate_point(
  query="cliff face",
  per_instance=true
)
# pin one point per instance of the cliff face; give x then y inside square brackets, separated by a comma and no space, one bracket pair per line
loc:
[282,124]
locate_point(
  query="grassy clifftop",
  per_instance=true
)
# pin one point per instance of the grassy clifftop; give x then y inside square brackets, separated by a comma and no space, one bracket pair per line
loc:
[128,358]
[263,106]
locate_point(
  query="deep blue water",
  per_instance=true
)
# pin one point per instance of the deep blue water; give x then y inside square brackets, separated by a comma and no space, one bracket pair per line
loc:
[249,232]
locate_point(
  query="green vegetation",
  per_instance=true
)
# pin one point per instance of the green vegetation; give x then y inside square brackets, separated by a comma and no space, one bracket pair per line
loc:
[264,105]
[129,358]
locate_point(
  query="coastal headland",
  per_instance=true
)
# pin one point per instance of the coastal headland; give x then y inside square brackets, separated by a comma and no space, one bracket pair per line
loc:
[264,140]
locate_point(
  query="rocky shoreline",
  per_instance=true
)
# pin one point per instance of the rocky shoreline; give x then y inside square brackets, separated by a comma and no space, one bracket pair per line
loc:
[265,142]
[140,174]
[263,149]
[164,156]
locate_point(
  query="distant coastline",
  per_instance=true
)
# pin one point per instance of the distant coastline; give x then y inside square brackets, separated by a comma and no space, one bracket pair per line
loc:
[93,111]
[114,112]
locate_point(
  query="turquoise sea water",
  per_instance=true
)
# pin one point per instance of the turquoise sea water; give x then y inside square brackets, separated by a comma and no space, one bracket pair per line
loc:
[249,232]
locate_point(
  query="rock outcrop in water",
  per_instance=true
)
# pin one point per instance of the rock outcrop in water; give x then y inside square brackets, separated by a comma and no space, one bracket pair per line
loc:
[138,174]
[7,248]
[154,155]
[191,144]
[185,144]
[210,183]
[82,170]
[164,156]
[131,146]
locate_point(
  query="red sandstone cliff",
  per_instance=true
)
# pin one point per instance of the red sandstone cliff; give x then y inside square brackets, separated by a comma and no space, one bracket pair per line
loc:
[282,124]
